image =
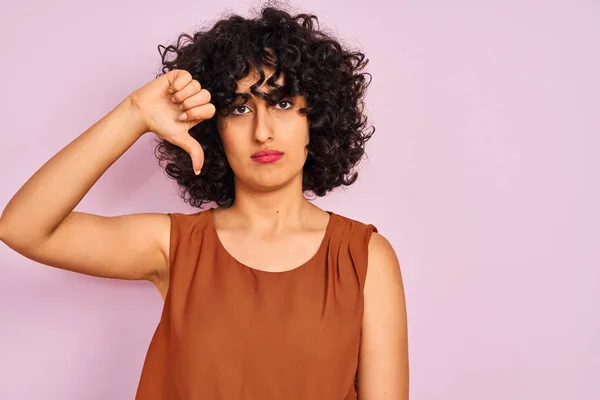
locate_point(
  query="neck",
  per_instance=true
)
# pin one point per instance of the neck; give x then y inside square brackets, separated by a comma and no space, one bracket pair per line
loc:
[282,205]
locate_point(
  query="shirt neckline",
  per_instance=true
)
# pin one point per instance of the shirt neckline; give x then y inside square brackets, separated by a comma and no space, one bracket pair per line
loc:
[320,249]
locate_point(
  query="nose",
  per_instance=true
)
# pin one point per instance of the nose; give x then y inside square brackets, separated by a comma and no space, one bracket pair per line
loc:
[263,129]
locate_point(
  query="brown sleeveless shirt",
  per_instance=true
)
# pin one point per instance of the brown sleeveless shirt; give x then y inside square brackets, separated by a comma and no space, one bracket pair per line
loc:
[231,332]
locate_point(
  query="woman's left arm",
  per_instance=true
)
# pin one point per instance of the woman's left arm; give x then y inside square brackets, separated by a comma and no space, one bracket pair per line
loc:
[383,371]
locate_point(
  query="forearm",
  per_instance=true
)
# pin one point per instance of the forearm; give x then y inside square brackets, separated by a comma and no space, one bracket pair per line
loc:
[52,193]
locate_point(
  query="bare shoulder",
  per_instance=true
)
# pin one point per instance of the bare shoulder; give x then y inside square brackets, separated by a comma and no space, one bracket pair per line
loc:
[383,371]
[383,270]
[381,249]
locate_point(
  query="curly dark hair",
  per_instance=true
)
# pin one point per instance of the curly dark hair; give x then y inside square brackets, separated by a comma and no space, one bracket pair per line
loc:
[314,65]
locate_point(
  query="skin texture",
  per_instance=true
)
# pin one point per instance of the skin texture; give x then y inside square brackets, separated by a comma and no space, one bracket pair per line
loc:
[257,125]
[383,369]
[270,224]
[316,65]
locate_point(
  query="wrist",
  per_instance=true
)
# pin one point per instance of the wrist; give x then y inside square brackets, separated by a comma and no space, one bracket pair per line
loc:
[132,113]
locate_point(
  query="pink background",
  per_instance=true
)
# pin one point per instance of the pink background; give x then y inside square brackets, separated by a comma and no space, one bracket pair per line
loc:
[483,173]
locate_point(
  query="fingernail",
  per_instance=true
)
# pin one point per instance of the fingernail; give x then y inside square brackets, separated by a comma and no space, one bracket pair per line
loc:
[171,91]
[182,117]
[173,99]
[197,171]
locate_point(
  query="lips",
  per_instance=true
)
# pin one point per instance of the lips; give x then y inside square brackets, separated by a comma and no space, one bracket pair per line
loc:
[267,155]
[261,153]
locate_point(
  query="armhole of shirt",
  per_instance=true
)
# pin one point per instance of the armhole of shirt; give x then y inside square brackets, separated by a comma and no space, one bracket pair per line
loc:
[173,239]
[174,236]
[370,229]
[181,226]
[360,249]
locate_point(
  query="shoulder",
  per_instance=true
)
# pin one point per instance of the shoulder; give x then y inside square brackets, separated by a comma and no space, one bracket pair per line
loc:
[185,221]
[177,225]
[380,256]
[378,244]
[383,262]
[380,249]
[354,224]
[189,216]
[362,237]
[383,265]
[384,343]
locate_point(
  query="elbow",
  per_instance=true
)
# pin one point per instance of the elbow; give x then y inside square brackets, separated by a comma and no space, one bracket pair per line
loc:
[17,238]
[5,235]
[3,230]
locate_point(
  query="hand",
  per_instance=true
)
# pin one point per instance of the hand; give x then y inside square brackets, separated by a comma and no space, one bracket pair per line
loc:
[161,102]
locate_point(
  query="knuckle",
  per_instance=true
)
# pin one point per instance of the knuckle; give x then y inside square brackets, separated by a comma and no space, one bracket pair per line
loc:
[209,111]
[206,95]
[186,74]
[192,113]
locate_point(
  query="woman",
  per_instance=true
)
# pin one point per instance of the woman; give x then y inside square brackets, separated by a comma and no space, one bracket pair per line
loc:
[266,296]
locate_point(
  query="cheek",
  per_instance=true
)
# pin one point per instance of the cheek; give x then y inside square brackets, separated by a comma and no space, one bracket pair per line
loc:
[301,133]
[298,139]
[226,138]
[229,146]
[306,139]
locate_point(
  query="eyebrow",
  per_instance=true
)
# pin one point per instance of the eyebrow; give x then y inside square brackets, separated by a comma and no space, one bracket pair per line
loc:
[240,95]
[237,94]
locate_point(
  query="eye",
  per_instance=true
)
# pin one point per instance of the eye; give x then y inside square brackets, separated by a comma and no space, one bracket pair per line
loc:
[286,101]
[237,108]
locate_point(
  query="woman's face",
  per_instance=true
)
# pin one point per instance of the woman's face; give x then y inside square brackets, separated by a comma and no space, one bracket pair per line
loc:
[257,125]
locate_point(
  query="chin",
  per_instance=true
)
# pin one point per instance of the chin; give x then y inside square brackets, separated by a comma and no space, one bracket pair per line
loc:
[269,185]
[271,181]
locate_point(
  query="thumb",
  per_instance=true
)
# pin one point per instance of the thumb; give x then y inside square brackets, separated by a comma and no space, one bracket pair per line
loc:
[193,148]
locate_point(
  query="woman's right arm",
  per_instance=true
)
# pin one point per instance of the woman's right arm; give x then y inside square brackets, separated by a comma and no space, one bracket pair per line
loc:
[39,221]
